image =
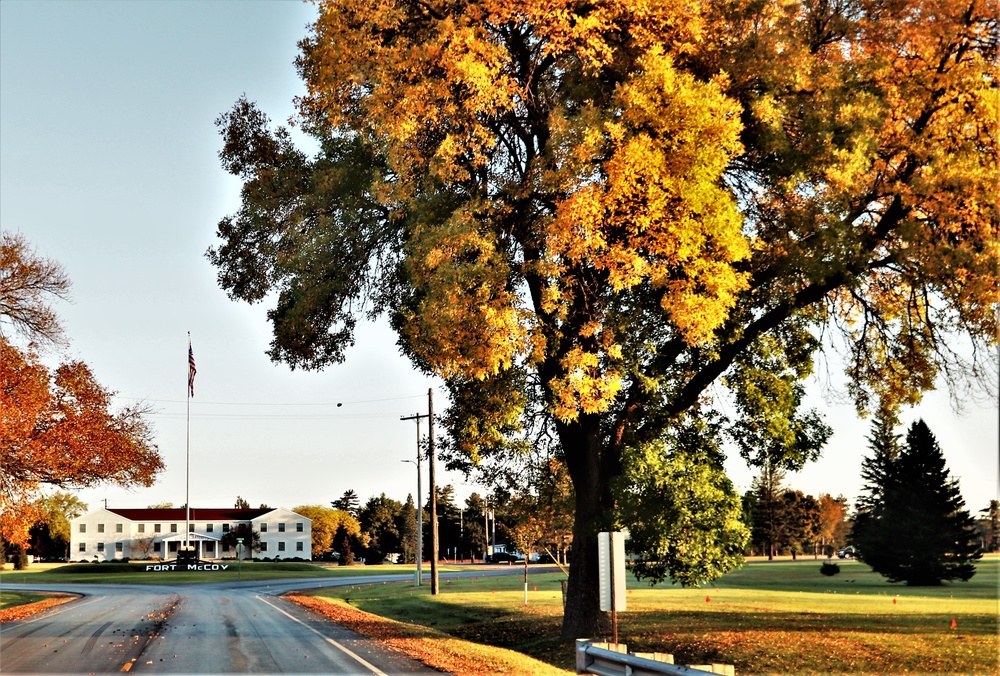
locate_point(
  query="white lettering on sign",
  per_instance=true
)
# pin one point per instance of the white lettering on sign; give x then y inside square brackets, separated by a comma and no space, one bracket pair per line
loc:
[157,567]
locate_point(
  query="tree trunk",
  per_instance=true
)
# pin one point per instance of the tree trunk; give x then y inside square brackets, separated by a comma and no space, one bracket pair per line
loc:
[591,468]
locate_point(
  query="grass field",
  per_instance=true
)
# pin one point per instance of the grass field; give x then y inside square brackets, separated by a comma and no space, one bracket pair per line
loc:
[135,573]
[766,618]
[14,599]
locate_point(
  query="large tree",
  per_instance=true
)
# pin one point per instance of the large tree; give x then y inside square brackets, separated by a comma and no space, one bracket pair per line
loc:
[325,524]
[682,512]
[590,218]
[379,520]
[58,426]
[765,503]
[914,527]
[832,522]
[406,524]
[28,282]
[802,521]
[50,534]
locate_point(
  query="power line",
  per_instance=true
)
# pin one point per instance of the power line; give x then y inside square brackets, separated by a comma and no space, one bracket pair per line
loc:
[256,403]
[273,416]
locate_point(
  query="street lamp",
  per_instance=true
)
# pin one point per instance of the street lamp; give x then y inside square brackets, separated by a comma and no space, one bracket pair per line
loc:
[418,576]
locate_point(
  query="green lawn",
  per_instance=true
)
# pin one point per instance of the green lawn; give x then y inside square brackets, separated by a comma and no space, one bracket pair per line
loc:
[135,573]
[765,618]
[12,599]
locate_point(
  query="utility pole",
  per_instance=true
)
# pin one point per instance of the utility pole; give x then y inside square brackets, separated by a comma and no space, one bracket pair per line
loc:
[419,576]
[434,509]
[434,520]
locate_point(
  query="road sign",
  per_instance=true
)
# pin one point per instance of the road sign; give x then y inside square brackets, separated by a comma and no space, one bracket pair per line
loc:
[611,570]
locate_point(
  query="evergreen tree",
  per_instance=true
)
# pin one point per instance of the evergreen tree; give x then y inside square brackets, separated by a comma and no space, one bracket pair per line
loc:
[348,502]
[342,545]
[768,516]
[913,527]
[884,444]
[407,527]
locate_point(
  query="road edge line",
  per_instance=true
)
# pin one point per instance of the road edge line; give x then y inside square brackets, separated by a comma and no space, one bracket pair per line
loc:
[353,655]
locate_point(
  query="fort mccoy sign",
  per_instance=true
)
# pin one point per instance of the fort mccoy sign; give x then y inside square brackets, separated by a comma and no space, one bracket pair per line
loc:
[165,567]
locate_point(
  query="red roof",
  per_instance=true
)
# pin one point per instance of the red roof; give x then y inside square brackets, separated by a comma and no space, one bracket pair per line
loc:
[197,514]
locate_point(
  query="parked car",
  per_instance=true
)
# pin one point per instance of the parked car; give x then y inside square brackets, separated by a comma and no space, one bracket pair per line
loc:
[847,552]
[502,557]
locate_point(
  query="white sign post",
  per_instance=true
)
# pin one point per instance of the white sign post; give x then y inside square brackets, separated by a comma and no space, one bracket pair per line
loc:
[611,575]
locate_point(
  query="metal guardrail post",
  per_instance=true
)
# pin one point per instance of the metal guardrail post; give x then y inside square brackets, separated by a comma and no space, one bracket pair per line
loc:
[592,659]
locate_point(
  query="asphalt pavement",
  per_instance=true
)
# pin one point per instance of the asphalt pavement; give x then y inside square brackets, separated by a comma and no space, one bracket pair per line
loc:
[192,629]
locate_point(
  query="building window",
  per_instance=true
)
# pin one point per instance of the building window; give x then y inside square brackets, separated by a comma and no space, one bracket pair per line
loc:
[190,528]
[119,547]
[225,528]
[263,546]
[171,547]
[118,528]
[225,546]
[100,528]
[281,527]
[157,528]
[173,528]
[83,547]
[100,546]
[209,527]
[263,528]
[142,528]
[298,546]
[298,527]
[156,546]
[281,546]
[210,548]
[83,528]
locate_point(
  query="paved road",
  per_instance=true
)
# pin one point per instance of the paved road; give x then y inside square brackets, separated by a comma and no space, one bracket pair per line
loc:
[191,629]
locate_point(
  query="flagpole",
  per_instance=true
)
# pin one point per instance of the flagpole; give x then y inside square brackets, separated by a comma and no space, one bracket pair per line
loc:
[187,471]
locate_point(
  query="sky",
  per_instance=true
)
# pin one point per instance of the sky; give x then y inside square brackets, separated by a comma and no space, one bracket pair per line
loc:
[109,165]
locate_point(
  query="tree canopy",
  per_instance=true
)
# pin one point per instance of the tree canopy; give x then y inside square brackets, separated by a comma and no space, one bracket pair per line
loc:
[28,282]
[58,426]
[325,524]
[592,218]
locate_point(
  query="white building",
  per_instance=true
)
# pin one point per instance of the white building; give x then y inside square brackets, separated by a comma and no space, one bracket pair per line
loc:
[109,534]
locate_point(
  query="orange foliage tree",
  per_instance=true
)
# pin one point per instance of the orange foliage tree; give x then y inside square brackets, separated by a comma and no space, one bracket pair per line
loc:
[594,219]
[57,427]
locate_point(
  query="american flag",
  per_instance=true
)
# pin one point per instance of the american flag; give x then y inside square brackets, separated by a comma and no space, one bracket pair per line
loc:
[191,368]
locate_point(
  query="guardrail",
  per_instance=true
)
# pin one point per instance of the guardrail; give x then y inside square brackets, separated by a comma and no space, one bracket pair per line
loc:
[609,659]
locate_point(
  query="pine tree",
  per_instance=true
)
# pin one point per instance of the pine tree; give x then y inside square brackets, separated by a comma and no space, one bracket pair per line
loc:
[348,502]
[768,516]
[407,527]
[913,528]
[884,444]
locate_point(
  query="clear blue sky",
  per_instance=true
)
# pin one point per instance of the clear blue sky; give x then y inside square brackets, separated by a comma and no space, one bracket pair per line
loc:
[108,164]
